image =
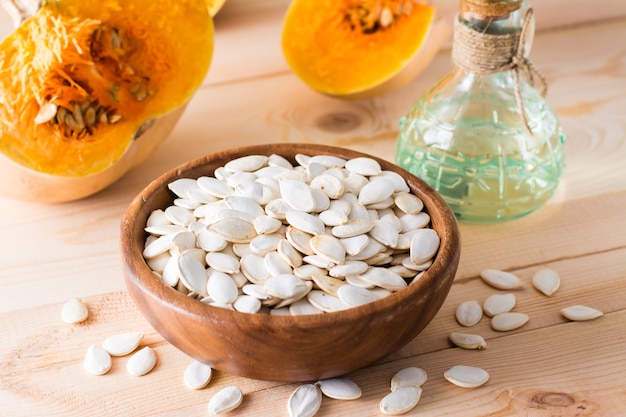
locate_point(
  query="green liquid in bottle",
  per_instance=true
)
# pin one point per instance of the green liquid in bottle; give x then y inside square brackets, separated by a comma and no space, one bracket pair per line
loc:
[469,144]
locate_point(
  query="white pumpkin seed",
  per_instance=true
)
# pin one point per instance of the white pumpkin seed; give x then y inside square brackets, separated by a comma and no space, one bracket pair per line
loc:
[222,262]
[501,279]
[234,230]
[97,361]
[384,278]
[339,388]
[289,254]
[225,400]
[329,161]
[180,215]
[328,284]
[221,287]
[348,268]
[466,376]
[284,286]
[363,166]
[352,227]
[383,233]
[469,313]
[197,375]
[468,341]
[580,313]
[192,274]
[408,203]
[305,222]
[247,304]
[303,307]
[266,225]
[329,184]
[400,401]
[214,187]
[357,281]
[333,217]
[375,192]
[297,195]
[253,267]
[399,184]
[328,247]
[508,321]
[546,281]
[276,265]
[246,163]
[498,303]
[325,302]
[74,311]
[355,296]
[211,241]
[408,377]
[424,245]
[355,244]
[122,344]
[141,362]
[414,221]
[305,401]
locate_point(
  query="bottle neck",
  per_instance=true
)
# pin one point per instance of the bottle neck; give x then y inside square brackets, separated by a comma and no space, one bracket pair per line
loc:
[498,22]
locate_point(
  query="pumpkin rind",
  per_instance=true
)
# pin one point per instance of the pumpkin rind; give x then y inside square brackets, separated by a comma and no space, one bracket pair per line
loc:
[136,62]
[333,55]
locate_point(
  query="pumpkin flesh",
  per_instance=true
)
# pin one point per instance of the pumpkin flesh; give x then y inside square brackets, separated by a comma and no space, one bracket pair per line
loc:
[339,47]
[129,62]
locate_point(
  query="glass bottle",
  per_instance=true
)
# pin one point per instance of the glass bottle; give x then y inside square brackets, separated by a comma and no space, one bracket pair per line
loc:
[467,136]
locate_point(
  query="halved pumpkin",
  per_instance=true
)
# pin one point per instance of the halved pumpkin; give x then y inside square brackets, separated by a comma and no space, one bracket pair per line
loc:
[360,48]
[89,89]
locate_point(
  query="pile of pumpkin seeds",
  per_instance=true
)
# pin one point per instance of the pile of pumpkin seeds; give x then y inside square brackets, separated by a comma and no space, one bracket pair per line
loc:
[264,236]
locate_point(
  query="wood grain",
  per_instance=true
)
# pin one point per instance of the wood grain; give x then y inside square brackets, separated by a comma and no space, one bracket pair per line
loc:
[549,367]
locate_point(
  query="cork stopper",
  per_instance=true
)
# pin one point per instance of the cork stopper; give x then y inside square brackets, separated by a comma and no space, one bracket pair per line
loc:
[490,8]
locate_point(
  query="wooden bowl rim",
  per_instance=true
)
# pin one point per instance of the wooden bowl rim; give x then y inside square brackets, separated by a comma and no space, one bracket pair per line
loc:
[138,274]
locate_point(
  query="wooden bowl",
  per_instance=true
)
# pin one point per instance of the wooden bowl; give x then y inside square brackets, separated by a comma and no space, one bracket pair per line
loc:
[279,348]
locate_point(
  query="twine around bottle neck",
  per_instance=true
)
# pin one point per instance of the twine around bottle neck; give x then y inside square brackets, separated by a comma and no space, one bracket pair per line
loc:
[486,53]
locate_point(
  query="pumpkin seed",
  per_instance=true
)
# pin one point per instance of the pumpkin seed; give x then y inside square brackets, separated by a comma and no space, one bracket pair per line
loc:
[408,377]
[501,279]
[424,245]
[339,388]
[247,304]
[546,281]
[97,361]
[353,296]
[221,287]
[468,313]
[400,401]
[466,376]
[580,313]
[305,401]
[363,166]
[74,311]
[508,321]
[46,113]
[197,375]
[142,362]
[225,400]
[468,341]
[498,303]
[246,163]
[122,344]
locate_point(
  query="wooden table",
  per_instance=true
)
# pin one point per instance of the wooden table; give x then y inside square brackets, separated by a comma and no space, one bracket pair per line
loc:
[549,367]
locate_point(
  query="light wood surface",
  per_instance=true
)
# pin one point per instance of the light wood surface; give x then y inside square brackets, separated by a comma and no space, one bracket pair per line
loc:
[549,367]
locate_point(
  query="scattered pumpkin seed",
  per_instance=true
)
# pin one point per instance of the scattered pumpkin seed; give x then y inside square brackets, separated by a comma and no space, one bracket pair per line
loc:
[501,279]
[580,313]
[225,400]
[141,362]
[508,321]
[408,377]
[122,344]
[546,281]
[339,388]
[466,376]
[400,401]
[305,401]
[74,311]
[468,341]
[197,375]
[498,303]
[468,313]
[97,361]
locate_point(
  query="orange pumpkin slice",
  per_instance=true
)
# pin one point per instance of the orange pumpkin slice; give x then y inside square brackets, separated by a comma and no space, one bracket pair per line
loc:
[360,48]
[89,89]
